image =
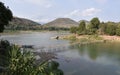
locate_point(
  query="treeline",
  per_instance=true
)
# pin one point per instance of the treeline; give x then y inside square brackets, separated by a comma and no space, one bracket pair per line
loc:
[54,28]
[96,27]
[22,27]
[34,27]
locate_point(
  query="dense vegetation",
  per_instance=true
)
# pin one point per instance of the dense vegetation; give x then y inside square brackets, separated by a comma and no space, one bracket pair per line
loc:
[14,61]
[5,16]
[35,27]
[97,27]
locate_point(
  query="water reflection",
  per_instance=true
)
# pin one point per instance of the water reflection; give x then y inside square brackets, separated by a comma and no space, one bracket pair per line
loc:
[99,52]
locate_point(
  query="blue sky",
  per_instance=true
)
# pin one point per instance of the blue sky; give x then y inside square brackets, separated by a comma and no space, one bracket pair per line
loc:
[47,10]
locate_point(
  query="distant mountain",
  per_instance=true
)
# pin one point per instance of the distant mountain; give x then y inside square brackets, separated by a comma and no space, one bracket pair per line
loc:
[22,24]
[22,21]
[87,22]
[62,23]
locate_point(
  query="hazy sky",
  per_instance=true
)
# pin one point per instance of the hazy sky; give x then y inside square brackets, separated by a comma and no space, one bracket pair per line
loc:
[47,10]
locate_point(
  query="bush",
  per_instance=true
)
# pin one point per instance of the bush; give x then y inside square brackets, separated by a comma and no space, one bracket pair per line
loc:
[73,29]
[111,29]
[22,62]
[118,31]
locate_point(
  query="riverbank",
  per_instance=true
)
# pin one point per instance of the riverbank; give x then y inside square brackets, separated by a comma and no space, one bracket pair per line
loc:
[6,32]
[87,39]
[111,38]
[14,32]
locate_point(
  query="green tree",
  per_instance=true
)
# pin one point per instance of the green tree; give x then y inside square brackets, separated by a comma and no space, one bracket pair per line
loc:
[110,28]
[118,30]
[82,28]
[5,16]
[102,28]
[73,29]
[94,25]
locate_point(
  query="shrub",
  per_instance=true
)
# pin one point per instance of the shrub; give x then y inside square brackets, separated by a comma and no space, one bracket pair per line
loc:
[22,62]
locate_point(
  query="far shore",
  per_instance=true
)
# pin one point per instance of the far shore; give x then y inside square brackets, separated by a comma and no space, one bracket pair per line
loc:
[85,39]
[6,32]
[73,37]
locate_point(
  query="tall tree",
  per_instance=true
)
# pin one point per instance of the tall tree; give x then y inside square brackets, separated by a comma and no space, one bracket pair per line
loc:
[82,27]
[5,16]
[95,23]
[102,28]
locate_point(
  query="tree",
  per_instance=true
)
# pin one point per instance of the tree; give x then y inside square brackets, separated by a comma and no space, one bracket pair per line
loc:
[5,16]
[73,29]
[95,23]
[118,30]
[110,28]
[102,28]
[82,27]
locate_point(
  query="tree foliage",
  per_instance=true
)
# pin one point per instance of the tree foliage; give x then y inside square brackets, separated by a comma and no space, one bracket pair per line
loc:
[102,28]
[118,30]
[110,28]
[94,23]
[95,27]
[81,28]
[5,16]
[73,29]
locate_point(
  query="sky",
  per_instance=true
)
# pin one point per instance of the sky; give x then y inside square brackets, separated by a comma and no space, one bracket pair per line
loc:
[43,11]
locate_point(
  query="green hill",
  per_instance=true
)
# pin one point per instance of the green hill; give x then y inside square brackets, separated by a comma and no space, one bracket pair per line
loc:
[61,23]
[22,24]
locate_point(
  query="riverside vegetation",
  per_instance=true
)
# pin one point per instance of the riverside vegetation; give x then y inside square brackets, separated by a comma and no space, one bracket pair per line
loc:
[15,61]
[95,31]
[96,27]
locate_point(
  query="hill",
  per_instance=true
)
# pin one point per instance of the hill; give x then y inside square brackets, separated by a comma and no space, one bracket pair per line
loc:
[22,24]
[23,21]
[62,23]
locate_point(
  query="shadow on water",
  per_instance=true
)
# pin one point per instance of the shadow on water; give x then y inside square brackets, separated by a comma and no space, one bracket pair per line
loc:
[95,50]
[91,59]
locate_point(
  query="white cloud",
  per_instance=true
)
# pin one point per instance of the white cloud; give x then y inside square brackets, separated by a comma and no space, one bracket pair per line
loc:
[86,12]
[73,13]
[90,12]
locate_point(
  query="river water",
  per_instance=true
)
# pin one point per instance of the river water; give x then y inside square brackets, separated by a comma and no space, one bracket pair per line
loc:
[90,59]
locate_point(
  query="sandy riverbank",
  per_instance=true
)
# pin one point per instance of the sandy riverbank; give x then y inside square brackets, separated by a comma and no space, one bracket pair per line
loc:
[91,38]
[111,38]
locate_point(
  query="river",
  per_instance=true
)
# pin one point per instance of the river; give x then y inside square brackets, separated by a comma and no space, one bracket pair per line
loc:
[90,59]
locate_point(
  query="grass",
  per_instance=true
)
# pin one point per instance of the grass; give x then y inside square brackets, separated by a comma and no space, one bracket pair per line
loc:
[83,39]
